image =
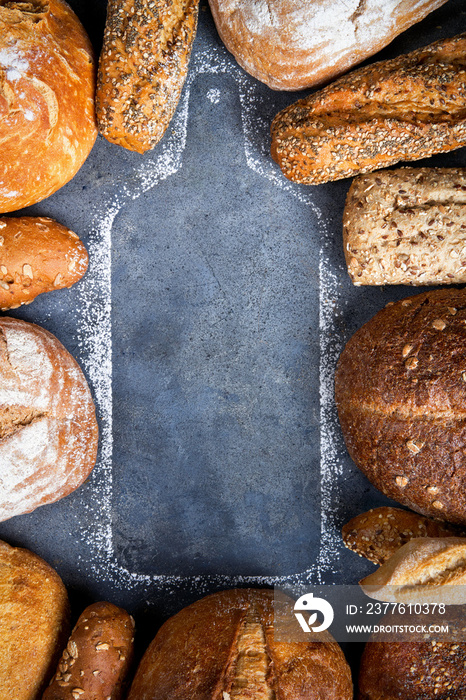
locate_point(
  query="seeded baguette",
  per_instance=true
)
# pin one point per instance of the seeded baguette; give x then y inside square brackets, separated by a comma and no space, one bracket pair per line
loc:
[97,657]
[401,109]
[406,226]
[37,255]
[379,533]
[142,68]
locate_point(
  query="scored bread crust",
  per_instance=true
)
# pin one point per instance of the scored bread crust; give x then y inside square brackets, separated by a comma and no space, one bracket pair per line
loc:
[34,614]
[142,68]
[48,428]
[400,390]
[292,44]
[405,108]
[222,647]
[47,85]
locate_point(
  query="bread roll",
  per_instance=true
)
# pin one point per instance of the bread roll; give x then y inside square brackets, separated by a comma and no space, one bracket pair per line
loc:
[400,389]
[37,255]
[406,226]
[292,44]
[48,429]
[402,109]
[422,669]
[97,657]
[33,622]
[142,68]
[423,570]
[379,533]
[223,647]
[47,84]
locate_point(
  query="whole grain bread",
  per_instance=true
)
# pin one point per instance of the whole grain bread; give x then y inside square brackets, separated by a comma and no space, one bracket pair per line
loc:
[379,533]
[97,658]
[401,109]
[292,44]
[37,255]
[223,648]
[406,226]
[48,428]
[34,617]
[47,86]
[142,68]
[400,390]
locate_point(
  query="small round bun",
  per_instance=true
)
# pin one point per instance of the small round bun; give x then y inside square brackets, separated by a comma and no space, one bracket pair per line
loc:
[48,428]
[223,646]
[294,44]
[400,389]
[47,85]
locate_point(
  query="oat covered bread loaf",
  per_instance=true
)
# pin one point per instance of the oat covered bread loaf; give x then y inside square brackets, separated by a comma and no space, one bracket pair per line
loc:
[34,614]
[379,533]
[142,68]
[405,108]
[415,669]
[48,428]
[406,226]
[222,647]
[37,255]
[97,658]
[292,44]
[47,85]
[400,390]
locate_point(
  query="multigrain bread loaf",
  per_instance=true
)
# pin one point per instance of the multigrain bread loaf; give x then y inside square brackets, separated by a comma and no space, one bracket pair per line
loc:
[402,109]
[142,68]
[47,85]
[379,533]
[406,226]
[48,429]
[422,570]
[425,668]
[37,255]
[223,647]
[400,389]
[97,657]
[292,44]
[33,623]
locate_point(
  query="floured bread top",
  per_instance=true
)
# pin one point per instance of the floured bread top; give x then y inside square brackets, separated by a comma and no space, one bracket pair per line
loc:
[48,431]
[293,44]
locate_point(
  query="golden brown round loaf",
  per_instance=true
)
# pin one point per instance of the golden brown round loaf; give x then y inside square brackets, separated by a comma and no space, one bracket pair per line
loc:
[415,670]
[33,622]
[294,44]
[48,429]
[37,255]
[222,647]
[400,390]
[47,84]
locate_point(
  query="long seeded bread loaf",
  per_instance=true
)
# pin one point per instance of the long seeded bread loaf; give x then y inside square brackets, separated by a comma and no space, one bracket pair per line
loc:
[142,68]
[402,109]
[47,86]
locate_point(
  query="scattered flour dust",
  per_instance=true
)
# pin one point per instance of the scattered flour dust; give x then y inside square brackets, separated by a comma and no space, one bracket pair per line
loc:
[96,332]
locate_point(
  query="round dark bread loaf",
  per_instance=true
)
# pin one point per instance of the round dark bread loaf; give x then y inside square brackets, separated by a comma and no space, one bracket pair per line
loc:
[400,389]
[222,647]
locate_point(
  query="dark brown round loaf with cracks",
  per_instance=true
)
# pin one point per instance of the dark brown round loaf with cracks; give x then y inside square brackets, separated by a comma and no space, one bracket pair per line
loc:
[223,647]
[400,389]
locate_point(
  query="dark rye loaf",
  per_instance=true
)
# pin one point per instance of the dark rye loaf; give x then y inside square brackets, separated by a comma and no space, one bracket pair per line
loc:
[400,390]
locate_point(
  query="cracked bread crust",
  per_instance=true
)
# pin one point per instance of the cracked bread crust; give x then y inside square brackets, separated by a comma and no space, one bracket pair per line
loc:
[48,428]
[400,390]
[222,647]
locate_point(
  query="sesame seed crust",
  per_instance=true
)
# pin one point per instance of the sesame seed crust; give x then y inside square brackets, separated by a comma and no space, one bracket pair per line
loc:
[406,108]
[142,68]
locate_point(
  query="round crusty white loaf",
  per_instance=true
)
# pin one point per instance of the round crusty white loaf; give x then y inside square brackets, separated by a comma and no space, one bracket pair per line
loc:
[47,84]
[294,44]
[48,429]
